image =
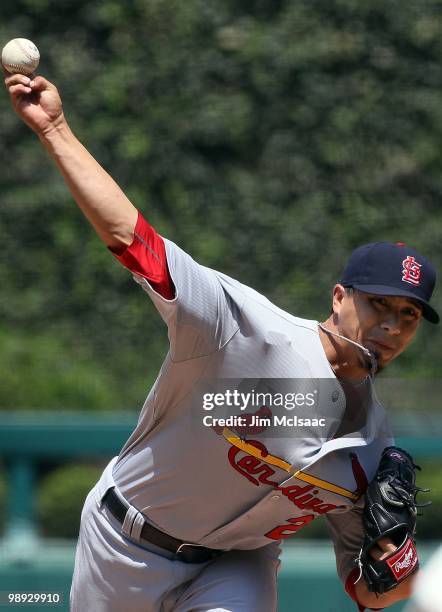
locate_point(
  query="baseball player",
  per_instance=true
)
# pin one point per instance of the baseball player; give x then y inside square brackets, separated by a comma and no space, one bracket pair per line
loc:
[190,516]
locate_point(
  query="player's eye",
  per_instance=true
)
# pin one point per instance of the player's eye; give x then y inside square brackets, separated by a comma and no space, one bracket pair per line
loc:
[411,313]
[379,302]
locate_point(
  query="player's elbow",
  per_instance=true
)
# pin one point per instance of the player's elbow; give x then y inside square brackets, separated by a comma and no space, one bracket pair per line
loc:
[119,234]
[118,244]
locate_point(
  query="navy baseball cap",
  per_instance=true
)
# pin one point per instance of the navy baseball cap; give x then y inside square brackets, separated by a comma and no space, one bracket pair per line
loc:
[388,268]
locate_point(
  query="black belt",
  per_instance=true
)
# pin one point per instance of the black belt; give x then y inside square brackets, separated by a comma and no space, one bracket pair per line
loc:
[188,553]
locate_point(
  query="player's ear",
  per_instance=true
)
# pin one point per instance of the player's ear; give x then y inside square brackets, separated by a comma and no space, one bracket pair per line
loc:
[339,294]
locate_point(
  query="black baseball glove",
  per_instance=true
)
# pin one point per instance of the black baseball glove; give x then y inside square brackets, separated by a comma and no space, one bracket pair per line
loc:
[390,511]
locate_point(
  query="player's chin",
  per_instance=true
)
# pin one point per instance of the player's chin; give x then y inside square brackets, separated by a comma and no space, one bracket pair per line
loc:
[380,360]
[385,360]
[383,356]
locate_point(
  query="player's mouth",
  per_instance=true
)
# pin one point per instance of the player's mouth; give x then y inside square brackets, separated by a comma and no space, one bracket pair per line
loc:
[381,346]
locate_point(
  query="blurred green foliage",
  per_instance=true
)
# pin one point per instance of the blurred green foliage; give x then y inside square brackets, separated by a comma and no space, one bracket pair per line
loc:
[61,497]
[429,524]
[268,138]
[3,492]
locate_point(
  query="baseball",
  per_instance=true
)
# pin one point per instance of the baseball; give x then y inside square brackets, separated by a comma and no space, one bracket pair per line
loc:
[20,55]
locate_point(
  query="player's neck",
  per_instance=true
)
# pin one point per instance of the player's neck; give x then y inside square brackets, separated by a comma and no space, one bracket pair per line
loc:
[346,360]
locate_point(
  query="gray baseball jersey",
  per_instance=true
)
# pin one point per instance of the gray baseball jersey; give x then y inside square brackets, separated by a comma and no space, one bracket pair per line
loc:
[209,484]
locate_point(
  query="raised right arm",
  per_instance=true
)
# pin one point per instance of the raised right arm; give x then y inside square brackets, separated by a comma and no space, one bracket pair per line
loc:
[101,200]
[174,281]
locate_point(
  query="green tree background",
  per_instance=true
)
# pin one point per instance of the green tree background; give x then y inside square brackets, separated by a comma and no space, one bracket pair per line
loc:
[268,138]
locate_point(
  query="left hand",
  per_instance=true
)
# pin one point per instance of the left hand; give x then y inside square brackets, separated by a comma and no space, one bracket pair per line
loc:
[373,600]
[382,549]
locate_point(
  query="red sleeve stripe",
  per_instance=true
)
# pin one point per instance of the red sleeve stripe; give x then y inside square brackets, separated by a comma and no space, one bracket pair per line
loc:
[351,590]
[350,587]
[146,256]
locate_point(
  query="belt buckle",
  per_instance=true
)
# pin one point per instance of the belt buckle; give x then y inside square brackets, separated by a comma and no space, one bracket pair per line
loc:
[194,553]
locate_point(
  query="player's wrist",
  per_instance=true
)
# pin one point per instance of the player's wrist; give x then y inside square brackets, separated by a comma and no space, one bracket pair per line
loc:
[57,131]
[371,600]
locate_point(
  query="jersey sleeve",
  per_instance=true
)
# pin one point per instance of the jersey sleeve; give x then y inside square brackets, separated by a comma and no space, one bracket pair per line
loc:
[188,296]
[347,534]
[146,257]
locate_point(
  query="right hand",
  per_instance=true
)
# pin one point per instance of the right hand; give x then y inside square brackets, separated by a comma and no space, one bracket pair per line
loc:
[36,101]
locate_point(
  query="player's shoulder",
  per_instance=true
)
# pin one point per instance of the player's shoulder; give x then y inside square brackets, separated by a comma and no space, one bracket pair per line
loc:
[249,301]
[256,305]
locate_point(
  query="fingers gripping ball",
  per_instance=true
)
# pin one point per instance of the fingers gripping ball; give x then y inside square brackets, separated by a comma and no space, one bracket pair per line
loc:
[20,56]
[390,511]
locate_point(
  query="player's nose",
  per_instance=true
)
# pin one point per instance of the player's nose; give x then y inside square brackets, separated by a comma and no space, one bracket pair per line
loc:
[391,325]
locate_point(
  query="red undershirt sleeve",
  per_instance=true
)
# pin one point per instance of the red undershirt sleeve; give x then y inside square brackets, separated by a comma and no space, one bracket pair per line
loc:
[350,588]
[146,256]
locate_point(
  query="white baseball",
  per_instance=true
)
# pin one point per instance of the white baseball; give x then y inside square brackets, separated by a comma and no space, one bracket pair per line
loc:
[20,55]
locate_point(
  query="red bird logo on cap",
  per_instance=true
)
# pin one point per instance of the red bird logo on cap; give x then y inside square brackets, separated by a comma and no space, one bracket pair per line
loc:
[411,271]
